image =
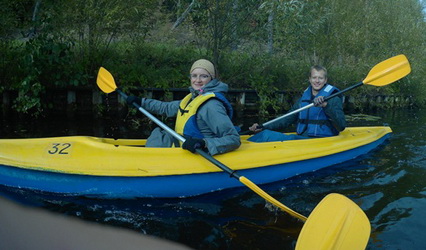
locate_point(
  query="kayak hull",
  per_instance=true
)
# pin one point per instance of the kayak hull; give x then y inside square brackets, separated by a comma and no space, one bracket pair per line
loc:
[166,183]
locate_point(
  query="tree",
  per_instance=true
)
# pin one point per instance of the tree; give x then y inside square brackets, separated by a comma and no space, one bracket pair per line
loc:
[94,25]
[221,25]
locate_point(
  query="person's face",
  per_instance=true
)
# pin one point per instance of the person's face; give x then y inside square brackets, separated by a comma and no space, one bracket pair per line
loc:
[317,80]
[199,77]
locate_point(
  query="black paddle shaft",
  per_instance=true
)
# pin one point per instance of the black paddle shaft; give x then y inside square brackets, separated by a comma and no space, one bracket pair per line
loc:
[231,172]
[343,91]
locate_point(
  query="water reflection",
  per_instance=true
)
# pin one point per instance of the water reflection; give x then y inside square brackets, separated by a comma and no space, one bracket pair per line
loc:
[388,184]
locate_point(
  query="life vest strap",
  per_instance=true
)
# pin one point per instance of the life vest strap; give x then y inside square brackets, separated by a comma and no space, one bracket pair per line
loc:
[319,122]
[183,111]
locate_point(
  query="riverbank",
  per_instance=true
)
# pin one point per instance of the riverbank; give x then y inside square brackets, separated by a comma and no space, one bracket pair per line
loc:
[87,101]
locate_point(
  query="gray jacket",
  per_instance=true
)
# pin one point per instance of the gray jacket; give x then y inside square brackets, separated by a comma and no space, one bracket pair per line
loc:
[212,120]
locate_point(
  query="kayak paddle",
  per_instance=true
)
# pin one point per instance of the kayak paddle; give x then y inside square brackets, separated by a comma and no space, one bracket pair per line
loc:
[382,74]
[107,84]
[336,221]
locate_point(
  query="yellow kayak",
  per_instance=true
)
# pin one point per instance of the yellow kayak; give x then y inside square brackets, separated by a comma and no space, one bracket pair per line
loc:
[124,168]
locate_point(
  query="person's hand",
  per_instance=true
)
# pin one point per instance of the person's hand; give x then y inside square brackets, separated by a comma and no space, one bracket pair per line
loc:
[131,99]
[193,144]
[255,128]
[320,102]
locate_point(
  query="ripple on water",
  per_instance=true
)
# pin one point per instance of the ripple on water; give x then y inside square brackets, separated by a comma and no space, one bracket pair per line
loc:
[398,225]
[383,178]
[368,201]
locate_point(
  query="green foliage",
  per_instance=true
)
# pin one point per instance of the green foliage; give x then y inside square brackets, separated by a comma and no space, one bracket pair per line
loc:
[239,69]
[9,73]
[97,27]
[15,17]
[255,72]
[154,65]
[46,62]
[50,61]
[28,99]
[263,45]
[266,92]
[220,25]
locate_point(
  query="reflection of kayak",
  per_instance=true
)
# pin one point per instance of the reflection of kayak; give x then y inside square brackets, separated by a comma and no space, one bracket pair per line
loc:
[90,166]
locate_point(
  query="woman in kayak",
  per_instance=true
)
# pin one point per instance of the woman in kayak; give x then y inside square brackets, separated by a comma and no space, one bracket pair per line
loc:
[203,117]
[325,119]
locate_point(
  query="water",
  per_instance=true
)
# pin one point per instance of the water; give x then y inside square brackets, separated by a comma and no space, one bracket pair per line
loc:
[388,184]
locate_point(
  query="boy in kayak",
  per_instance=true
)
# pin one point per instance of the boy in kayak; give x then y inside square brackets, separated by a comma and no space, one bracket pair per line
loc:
[203,117]
[325,119]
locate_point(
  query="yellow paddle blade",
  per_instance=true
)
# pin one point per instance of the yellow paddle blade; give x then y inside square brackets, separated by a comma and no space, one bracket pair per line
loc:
[388,71]
[335,223]
[269,198]
[106,81]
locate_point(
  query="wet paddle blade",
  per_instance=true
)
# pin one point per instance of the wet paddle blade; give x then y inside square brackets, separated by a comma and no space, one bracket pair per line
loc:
[335,223]
[388,71]
[271,199]
[106,81]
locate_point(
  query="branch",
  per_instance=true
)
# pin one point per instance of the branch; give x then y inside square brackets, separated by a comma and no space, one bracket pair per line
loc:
[33,30]
[184,15]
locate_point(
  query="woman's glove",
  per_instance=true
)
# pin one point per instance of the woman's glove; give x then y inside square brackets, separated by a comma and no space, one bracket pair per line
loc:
[193,144]
[131,99]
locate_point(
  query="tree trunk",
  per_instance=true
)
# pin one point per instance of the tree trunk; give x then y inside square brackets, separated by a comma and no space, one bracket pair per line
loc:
[234,45]
[184,15]
[271,32]
[33,30]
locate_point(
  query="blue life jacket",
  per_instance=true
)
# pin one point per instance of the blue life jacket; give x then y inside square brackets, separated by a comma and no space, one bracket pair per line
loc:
[186,122]
[314,120]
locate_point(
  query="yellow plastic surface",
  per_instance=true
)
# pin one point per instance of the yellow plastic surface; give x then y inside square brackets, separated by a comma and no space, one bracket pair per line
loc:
[335,223]
[105,81]
[388,71]
[108,157]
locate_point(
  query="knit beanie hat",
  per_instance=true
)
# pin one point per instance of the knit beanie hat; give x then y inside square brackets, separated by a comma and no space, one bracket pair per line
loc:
[204,64]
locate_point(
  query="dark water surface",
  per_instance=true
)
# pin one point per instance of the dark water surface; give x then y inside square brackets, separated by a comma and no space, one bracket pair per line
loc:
[388,184]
